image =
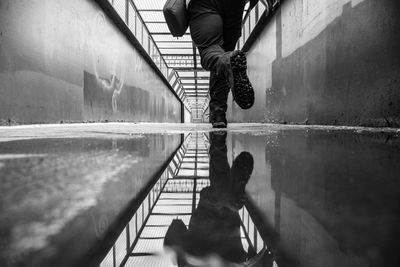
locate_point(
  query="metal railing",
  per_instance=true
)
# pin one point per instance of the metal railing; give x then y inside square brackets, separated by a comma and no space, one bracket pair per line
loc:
[132,18]
[252,17]
[176,83]
[175,195]
[122,248]
[251,231]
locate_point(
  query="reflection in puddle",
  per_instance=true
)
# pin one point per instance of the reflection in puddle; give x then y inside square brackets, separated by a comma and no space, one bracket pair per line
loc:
[195,215]
[20,156]
[57,208]
[313,199]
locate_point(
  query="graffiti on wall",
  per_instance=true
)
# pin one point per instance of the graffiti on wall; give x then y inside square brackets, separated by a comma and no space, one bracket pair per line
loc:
[106,98]
[105,58]
[118,82]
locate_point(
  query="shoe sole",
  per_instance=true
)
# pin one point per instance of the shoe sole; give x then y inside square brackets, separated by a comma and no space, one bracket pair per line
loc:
[242,91]
[243,166]
[219,125]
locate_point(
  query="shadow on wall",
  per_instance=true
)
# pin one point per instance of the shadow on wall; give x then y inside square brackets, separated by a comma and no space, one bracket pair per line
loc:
[337,193]
[348,75]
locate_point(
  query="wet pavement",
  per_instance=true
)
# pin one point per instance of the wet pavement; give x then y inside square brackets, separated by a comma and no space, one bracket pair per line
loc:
[151,195]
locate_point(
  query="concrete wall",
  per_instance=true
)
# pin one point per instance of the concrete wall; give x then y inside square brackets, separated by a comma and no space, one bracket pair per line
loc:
[330,198]
[66,61]
[331,62]
[337,210]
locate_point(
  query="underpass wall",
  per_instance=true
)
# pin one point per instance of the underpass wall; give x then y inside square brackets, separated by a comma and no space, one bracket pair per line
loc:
[334,62]
[324,199]
[66,61]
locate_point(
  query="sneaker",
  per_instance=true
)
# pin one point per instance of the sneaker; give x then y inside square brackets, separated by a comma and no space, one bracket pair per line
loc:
[218,119]
[219,125]
[242,90]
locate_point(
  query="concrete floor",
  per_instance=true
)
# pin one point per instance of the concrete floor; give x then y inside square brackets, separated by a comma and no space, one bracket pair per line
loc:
[94,194]
[121,130]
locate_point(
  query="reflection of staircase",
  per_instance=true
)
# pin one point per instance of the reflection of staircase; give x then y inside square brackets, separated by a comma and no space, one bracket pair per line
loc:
[178,199]
[175,195]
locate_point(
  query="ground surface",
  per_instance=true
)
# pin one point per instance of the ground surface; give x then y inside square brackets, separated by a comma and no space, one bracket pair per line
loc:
[330,192]
[108,130]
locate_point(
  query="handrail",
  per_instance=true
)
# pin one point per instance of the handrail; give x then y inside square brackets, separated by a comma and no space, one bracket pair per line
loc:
[251,28]
[252,21]
[137,13]
[124,13]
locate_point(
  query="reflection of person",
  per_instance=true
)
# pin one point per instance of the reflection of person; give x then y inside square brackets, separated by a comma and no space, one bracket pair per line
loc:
[215,27]
[214,228]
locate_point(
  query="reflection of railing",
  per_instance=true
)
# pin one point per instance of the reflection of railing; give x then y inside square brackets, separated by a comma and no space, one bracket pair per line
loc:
[120,252]
[252,17]
[251,232]
[175,195]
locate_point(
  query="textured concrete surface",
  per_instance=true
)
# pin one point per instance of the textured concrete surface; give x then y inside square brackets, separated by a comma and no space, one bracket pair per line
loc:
[124,130]
[67,61]
[60,196]
[327,62]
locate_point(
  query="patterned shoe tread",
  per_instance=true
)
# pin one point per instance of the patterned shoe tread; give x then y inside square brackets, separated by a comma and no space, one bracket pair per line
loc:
[242,91]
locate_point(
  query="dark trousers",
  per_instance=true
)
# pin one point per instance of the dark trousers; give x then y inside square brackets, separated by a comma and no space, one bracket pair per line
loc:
[215,26]
[214,228]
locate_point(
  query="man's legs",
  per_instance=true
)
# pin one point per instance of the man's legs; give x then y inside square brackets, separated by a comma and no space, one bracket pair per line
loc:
[219,171]
[215,31]
[207,33]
